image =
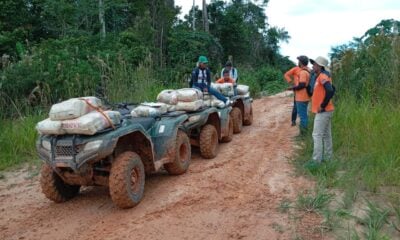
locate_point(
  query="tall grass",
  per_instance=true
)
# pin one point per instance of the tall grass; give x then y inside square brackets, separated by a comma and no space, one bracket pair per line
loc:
[366,135]
[367,141]
[17,141]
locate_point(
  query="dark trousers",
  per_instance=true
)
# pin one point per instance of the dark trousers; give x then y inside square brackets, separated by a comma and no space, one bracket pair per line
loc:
[294,111]
[211,91]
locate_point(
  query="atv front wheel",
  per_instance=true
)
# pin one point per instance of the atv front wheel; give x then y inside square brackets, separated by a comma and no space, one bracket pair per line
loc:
[230,132]
[236,114]
[126,180]
[181,160]
[54,188]
[208,141]
[249,119]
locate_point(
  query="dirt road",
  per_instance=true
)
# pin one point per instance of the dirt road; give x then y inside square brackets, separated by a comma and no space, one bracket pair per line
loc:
[234,196]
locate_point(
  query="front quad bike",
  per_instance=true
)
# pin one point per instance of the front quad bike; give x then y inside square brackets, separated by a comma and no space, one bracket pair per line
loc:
[117,158]
[242,112]
[207,127]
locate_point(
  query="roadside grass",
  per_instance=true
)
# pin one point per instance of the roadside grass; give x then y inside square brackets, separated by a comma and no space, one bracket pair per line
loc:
[17,141]
[374,221]
[314,202]
[366,165]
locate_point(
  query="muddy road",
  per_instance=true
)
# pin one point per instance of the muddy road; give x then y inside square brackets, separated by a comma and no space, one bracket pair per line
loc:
[234,196]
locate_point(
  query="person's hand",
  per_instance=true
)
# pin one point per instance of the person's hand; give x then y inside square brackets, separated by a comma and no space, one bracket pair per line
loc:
[321,110]
[205,90]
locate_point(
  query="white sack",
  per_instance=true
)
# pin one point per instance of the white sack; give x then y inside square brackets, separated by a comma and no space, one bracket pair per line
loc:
[189,106]
[225,88]
[149,110]
[168,96]
[91,123]
[48,126]
[189,94]
[212,101]
[73,108]
[217,103]
[171,108]
[242,89]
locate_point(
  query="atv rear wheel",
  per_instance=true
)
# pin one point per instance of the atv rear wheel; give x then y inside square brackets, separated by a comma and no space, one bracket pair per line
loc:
[126,180]
[208,141]
[236,114]
[249,119]
[230,132]
[54,188]
[181,160]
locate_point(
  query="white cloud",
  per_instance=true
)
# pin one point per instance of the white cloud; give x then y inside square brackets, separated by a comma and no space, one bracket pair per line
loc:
[317,25]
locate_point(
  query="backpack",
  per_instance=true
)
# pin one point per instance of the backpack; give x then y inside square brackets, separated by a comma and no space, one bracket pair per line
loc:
[311,84]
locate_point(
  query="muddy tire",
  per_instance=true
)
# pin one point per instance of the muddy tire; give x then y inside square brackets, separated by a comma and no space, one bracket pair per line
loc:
[54,188]
[208,141]
[249,120]
[126,180]
[236,114]
[230,133]
[181,160]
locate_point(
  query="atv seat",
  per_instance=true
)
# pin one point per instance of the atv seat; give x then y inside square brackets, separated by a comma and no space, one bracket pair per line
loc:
[146,122]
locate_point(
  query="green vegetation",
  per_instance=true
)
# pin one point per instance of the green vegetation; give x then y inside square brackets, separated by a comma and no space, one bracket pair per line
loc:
[17,141]
[121,51]
[365,134]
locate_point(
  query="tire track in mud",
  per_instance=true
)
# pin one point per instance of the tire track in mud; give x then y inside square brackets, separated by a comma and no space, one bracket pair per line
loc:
[233,196]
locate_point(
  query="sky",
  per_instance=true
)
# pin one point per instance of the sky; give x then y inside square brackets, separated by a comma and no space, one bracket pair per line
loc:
[317,25]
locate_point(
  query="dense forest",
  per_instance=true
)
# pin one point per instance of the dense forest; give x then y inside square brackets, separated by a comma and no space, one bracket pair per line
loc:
[127,50]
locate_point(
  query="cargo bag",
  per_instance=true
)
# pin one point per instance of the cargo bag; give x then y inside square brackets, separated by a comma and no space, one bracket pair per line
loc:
[74,108]
[149,110]
[242,89]
[92,122]
[49,127]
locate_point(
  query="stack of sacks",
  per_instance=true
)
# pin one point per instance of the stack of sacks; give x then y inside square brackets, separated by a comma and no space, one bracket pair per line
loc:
[211,101]
[185,99]
[243,90]
[91,123]
[225,88]
[149,110]
[78,116]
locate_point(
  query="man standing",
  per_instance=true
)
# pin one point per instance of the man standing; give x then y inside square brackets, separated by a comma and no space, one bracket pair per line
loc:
[323,107]
[201,79]
[300,76]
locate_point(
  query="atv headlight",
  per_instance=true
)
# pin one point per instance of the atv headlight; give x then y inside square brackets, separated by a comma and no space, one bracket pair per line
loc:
[93,146]
[46,145]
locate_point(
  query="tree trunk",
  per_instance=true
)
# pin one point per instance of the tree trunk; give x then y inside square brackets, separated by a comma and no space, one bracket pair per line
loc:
[194,17]
[102,20]
[205,17]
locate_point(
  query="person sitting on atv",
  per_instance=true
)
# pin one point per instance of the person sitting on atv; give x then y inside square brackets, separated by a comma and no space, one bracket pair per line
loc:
[201,79]
[225,78]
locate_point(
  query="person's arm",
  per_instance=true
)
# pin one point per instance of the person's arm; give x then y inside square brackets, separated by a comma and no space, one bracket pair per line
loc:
[208,77]
[303,80]
[221,80]
[193,78]
[299,87]
[328,94]
[288,75]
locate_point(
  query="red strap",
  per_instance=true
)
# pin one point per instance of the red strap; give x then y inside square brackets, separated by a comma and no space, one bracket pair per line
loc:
[98,109]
